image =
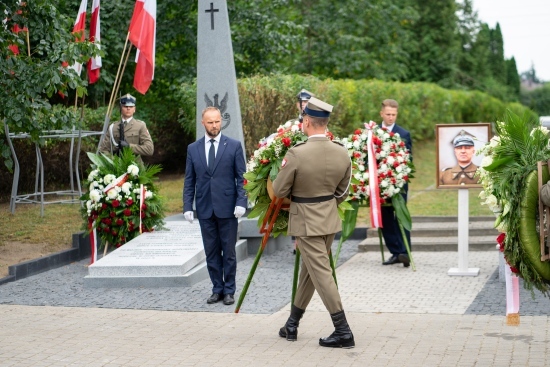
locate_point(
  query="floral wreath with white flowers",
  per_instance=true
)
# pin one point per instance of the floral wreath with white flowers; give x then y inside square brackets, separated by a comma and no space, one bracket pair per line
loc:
[395,167]
[509,177]
[265,164]
[112,204]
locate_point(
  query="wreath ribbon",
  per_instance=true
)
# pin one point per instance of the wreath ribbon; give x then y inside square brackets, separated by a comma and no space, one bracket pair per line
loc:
[374,189]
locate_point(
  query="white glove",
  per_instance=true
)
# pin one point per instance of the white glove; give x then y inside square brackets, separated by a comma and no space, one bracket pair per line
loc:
[188,216]
[239,211]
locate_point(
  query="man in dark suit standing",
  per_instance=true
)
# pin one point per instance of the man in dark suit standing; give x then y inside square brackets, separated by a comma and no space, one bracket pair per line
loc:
[214,178]
[316,175]
[390,230]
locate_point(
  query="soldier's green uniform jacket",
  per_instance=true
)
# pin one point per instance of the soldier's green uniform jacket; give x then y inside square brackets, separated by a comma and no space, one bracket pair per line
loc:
[314,169]
[135,134]
[459,176]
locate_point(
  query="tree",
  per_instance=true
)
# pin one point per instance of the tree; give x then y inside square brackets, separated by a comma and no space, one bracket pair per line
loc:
[436,55]
[30,80]
[496,57]
[512,77]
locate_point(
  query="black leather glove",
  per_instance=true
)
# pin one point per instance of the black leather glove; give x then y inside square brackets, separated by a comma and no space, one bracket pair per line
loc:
[123,144]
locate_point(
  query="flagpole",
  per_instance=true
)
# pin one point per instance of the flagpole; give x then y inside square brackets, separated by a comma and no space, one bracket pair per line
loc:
[28,44]
[116,86]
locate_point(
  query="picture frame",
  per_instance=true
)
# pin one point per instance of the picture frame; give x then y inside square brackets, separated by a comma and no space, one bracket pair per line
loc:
[456,158]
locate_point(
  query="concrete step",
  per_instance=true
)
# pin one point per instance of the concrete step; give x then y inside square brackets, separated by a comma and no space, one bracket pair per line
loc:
[445,228]
[443,243]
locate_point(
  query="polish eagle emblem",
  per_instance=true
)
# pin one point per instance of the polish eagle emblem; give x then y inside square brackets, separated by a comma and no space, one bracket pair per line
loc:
[222,106]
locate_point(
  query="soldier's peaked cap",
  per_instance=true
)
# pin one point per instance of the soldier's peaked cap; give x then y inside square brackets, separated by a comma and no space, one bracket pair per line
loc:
[317,108]
[128,100]
[463,139]
[304,95]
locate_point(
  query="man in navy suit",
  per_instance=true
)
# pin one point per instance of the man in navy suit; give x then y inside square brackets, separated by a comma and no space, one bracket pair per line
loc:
[214,178]
[390,230]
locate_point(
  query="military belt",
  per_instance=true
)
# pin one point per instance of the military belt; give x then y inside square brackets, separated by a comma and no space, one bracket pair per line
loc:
[317,199]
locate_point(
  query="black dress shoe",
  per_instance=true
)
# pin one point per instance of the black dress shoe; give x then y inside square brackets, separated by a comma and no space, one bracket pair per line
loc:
[392,260]
[404,258]
[214,298]
[228,299]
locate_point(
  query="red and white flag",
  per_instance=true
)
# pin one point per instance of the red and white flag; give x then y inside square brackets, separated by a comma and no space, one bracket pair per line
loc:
[143,36]
[80,26]
[94,64]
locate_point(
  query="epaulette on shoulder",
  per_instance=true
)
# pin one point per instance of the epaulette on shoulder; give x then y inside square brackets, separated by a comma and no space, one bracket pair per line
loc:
[298,144]
[338,142]
[445,169]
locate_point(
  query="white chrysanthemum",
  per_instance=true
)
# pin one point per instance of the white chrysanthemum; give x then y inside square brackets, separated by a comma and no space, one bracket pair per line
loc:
[295,128]
[95,195]
[491,201]
[383,154]
[93,175]
[486,161]
[89,205]
[108,178]
[357,175]
[383,167]
[112,194]
[494,142]
[482,195]
[356,144]
[365,176]
[390,160]
[92,186]
[399,169]
[133,170]
[136,191]
[361,167]
[148,194]
[126,187]
[384,183]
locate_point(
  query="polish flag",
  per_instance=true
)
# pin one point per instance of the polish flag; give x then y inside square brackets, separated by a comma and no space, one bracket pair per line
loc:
[94,64]
[143,36]
[80,26]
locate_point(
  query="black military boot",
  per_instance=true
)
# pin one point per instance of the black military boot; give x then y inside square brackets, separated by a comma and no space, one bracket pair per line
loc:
[342,336]
[290,330]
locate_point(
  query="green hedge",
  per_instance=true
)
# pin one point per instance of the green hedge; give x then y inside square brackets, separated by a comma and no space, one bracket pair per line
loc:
[269,101]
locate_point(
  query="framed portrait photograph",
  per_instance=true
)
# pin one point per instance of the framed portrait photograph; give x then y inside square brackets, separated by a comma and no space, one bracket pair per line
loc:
[456,146]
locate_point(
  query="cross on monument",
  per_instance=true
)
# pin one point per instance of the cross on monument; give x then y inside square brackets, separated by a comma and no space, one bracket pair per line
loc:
[212,11]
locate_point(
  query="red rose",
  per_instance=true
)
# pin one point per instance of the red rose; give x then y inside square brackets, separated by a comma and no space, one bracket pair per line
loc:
[112,214]
[354,137]
[106,221]
[286,141]
[143,215]
[401,144]
[358,132]
[118,245]
[127,212]
[119,222]
[392,134]
[500,238]
[356,155]
[106,229]
[245,182]
[103,206]
[113,232]
[144,207]
[514,270]
[116,203]
[129,202]
[264,161]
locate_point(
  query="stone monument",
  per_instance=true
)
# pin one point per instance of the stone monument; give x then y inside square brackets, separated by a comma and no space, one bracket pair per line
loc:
[216,77]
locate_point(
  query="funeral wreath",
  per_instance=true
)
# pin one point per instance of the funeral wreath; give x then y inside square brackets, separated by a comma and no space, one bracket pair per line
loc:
[122,199]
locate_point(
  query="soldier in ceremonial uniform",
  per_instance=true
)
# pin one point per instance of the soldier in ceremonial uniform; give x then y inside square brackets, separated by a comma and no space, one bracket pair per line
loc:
[303,97]
[464,172]
[128,132]
[316,176]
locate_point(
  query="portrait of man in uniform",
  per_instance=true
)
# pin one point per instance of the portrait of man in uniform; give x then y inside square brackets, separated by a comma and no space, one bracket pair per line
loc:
[457,159]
